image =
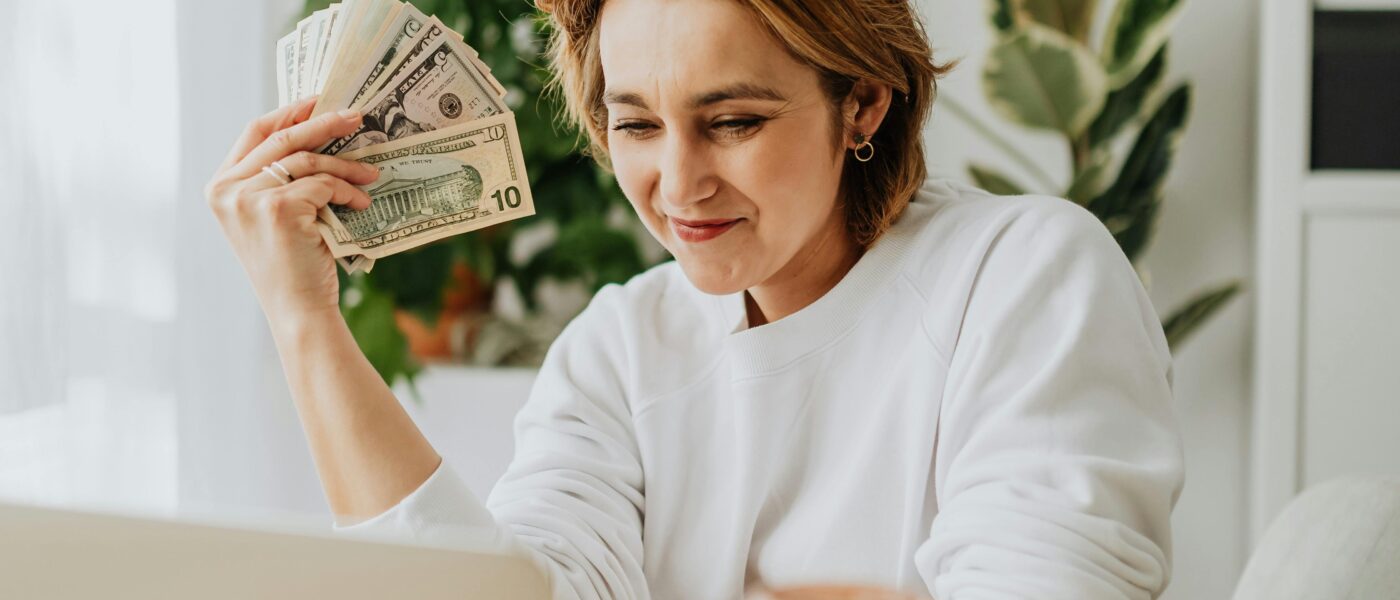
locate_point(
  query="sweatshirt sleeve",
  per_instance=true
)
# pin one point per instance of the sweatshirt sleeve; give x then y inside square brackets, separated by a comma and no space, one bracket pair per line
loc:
[572,497]
[1058,458]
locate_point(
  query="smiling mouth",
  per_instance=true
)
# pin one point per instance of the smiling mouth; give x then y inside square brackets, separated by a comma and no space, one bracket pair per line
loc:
[701,230]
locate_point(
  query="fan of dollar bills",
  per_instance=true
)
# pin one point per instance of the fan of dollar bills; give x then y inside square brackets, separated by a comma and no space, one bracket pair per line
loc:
[435,123]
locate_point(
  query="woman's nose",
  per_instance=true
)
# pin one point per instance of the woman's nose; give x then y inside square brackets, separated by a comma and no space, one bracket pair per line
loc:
[687,174]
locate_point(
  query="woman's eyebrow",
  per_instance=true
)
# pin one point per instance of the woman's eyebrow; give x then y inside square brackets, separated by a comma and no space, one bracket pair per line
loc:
[738,91]
[629,98]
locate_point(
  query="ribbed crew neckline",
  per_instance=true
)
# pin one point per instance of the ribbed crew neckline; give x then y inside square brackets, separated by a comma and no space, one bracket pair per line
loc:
[760,350]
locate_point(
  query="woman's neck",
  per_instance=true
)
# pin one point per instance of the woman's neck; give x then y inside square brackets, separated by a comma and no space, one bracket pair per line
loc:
[817,268]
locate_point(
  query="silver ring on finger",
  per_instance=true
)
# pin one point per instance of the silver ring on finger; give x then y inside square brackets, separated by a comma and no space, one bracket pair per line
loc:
[282,179]
[285,173]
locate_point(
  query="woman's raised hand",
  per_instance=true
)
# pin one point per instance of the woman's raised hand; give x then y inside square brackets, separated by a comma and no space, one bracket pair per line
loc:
[367,450]
[266,195]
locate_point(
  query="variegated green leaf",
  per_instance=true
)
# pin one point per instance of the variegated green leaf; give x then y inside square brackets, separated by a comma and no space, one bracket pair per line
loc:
[1003,14]
[1130,205]
[992,181]
[1136,32]
[1187,319]
[1072,17]
[1041,78]
[1126,104]
[1088,183]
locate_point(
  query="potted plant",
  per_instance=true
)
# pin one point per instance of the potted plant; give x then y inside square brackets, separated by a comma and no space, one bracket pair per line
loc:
[1043,72]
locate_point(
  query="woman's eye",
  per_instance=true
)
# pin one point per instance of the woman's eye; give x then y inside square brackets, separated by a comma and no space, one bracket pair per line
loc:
[737,127]
[727,128]
[634,129]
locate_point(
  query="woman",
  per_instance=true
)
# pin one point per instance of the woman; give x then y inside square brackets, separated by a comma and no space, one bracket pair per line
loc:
[848,373]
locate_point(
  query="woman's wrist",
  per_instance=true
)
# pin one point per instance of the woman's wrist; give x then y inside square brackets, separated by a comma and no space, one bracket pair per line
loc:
[294,329]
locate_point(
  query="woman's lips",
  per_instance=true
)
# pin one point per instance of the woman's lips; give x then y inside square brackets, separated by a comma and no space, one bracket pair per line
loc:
[702,230]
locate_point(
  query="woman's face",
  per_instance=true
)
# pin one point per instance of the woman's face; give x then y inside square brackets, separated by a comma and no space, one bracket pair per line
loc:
[721,140]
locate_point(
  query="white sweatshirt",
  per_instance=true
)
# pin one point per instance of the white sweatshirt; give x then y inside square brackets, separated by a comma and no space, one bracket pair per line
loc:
[980,409]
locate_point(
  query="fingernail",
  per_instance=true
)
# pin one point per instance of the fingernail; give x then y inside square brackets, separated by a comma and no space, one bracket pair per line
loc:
[349,114]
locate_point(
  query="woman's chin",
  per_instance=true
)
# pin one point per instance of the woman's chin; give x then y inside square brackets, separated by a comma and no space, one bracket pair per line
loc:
[714,279]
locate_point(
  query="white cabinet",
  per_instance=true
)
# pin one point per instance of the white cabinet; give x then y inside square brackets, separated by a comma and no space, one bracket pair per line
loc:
[1350,421]
[1327,374]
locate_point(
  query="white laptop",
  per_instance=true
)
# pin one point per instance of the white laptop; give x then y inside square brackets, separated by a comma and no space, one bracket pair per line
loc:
[58,554]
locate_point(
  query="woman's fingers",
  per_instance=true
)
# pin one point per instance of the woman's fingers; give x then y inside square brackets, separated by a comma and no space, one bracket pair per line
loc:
[319,190]
[262,127]
[306,163]
[309,135]
[284,205]
[271,225]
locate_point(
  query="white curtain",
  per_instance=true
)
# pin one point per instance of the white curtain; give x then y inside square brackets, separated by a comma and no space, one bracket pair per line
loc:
[135,368]
[87,264]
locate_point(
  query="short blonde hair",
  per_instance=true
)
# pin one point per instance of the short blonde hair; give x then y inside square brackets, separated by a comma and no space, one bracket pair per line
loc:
[845,41]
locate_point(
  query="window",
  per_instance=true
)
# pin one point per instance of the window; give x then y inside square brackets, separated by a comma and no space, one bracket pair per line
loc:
[1356,59]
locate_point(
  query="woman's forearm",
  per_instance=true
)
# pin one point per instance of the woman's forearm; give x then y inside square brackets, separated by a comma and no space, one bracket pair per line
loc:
[367,450]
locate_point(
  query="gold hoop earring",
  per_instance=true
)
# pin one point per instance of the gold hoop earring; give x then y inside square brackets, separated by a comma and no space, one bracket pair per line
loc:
[863,143]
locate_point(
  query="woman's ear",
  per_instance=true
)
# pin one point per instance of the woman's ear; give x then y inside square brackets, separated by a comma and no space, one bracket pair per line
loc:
[865,108]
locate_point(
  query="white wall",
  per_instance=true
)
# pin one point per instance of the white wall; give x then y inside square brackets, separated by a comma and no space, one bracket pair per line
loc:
[1204,238]
[87,243]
